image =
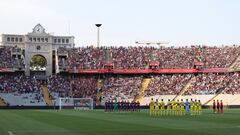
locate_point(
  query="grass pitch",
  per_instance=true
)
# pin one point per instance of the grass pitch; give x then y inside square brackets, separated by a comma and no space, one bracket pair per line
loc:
[76,122]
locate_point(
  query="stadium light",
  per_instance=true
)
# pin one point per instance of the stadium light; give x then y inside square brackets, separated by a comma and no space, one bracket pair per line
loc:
[98,29]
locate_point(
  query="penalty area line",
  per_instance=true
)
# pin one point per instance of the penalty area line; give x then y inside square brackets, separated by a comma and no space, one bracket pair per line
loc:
[10,133]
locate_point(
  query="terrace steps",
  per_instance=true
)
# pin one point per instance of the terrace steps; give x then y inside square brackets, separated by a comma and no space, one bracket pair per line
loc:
[46,96]
[235,65]
[217,95]
[185,88]
[144,85]
[100,84]
[2,103]
[211,99]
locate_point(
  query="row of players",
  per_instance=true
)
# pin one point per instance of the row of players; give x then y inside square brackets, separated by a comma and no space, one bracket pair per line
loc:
[217,106]
[123,106]
[175,108]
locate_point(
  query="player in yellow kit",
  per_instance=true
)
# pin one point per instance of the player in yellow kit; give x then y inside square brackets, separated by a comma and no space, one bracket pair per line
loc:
[173,107]
[182,107]
[199,107]
[191,106]
[162,108]
[178,108]
[169,105]
[195,107]
[151,106]
[156,108]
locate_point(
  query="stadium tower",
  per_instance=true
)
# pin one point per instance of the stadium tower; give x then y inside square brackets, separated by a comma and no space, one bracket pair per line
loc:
[38,44]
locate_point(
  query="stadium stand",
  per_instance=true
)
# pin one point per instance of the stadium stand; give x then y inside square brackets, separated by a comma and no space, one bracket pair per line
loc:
[121,87]
[11,57]
[139,57]
[20,90]
[144,85]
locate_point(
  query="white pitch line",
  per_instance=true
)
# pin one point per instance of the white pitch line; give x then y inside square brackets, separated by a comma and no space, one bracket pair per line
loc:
[10,133]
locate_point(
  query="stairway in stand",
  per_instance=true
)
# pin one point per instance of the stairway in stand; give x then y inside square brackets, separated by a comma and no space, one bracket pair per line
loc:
[144,85]
[218,92]
[185,88]
[46,96]
[235,65]
[100,83]
[210,100]
[2,103]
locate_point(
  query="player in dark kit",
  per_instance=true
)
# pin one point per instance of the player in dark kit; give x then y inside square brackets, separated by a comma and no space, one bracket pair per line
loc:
[218,106]
[111,106]
[221,106]
[128,106]
[138,106]
[106,106]
[132,106]
[119,106]
[124,106]
[214,106]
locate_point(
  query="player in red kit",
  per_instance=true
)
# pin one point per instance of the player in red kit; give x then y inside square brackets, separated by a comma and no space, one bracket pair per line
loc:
[214,106]
[221,106]
[218,106]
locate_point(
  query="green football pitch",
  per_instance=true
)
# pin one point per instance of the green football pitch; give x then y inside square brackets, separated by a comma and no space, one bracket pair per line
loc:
[76,122]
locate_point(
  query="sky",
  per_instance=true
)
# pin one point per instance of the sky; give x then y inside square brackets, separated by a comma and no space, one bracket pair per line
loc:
[179,22]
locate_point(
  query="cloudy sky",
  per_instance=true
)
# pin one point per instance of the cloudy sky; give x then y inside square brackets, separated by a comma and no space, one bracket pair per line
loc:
[180,22]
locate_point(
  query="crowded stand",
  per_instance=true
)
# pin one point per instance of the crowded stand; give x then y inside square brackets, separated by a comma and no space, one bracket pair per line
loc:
[72,86]
[6,58]
[204,84]
[85,58]
[134,57]
[167,84]
[121,87]
[234,84]
[131,57]
[175,57]
[221,57]
[84,87]
[60,84]
[18,89]
[10,83]
[124,87]
[212,83]
[139,57]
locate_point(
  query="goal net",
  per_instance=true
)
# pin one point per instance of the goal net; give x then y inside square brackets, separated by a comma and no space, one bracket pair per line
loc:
[76,103]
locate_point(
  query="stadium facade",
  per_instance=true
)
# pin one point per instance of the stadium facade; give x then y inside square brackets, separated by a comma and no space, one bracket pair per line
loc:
[38,42]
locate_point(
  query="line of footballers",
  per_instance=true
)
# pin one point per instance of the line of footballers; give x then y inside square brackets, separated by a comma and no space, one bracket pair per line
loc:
[217,106]
[123,106]
[175,108]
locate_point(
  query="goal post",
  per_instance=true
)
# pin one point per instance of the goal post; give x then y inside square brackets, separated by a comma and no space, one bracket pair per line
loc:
[76,103]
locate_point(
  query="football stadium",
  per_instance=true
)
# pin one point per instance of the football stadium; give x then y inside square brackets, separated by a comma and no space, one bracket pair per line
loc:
[52,85]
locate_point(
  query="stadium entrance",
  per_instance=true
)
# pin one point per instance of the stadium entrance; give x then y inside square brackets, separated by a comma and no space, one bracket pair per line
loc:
[38,65]
[38,47]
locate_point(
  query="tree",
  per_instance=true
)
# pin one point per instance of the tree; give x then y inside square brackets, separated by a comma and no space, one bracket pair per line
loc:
[38,62]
